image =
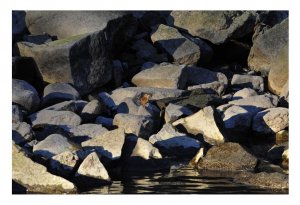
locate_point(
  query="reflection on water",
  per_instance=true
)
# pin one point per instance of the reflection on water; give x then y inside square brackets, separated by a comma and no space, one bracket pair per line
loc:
[179,181]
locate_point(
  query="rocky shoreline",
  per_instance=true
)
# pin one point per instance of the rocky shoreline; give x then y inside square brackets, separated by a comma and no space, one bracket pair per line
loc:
[96,94]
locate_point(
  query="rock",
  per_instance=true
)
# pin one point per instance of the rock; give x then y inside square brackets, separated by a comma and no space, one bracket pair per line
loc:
[54,144]
[21,132]
[228,156]
[59,92]
[91,172]
[266,47]
[274,154]
[141,126]
[181,49]
[38,39]
[284,96]
[120,94]
[174,112]
[105,121]
[248,81]
[215,26]
[118,73]
[64,164]
[197,157]
[285,159]
[271,120]
[161,76]
[85,132]
[282,136]
[35,176]
[279,74]
[173,143]
[206,122]
[17,115]
[25,95]
[51,117]
[107,101]
[244,93]
[71,105]
[18,25]
[95,41]
[108,145]
[91,111]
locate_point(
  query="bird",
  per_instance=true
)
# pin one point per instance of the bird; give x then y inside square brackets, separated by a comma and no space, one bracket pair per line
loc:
[144,99]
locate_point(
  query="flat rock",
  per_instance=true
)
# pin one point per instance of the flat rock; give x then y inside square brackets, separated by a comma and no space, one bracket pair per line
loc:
[206,122]
[17,115]
[21,132]
[173,143]
[91,110]
[228,156]
[51,117]
[35,177]
[64,164]
[25,95]
[54,144]
[248,81]
[244,93]
[271,120]
[174,112]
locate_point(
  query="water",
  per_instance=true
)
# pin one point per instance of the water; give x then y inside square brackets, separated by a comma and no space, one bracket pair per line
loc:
[184,180]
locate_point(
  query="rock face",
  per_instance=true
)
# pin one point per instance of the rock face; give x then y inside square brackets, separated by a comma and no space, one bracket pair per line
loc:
[271,120]
[161,76]
[228,157]
[181,49]
[279,73]
[173,143]
[174,112]
[21,132]
[35,176]
[54,144]
[25,95]
[205,122]
[64,163]
[248,81]
[17,115]
[51,117]
[215,26]
[58,60]
[108,145]
[267,46]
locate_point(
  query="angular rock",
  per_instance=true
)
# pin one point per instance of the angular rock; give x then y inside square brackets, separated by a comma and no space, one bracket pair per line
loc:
[266,47]
[141,126]
[25,95]
[248,81]
[91,110]
[228,157]
[54,144]
[21,132]
[174,112]
[215,26]
[161,76]
[244,93]
[106,99]
[17,115]
[59,92]
[51,117]
[271,120]
[105,121]
[64,164]
[206,122]
[108,145]
[35,176]
[173,143]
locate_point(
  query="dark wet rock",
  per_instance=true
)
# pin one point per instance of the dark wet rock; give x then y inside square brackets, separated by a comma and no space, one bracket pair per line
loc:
[21,132]
[64,164]
[54,144]
[104,121]
[173,143]
[51,117]
[25,95]
[215,26]
[38,39]
[35,177]
[174,112]
[59,92]
[266,47]
[91,111]
[18,25]
[244,93]
[206,122]
[228,157]
[17,115]
[248,81]
[271,120]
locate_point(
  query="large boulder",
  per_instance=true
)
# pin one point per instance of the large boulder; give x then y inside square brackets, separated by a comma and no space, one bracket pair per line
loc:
[215,26]
[247,81]
[266,47]
[21,132]
[25,95]
[35,177]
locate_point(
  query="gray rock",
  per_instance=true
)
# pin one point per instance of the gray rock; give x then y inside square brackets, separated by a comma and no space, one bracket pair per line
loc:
[215,26]
[105,121]
[141,126]
[21,132]
[248,81]
[71,105]
[59,92]
[108,145]
[54,144]
[64,164]
[17,115]
[271,120]
[174,112]
[244,93]
[35,177]
[228,157]
[25,95]
[51,117]
[18,25]
[171,142]
[206,122]
[91,110]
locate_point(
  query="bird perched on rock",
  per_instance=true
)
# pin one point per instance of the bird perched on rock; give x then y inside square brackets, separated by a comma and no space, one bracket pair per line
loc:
[144,99]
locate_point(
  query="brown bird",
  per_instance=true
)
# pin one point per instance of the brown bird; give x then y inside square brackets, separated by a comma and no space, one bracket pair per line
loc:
[144,99]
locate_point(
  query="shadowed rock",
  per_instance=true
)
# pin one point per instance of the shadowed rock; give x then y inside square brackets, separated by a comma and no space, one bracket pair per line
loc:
[17,115]
[21,132]
[248,81]
[64,164]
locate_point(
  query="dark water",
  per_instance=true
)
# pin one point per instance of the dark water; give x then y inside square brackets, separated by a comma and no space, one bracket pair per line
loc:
[183,180]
